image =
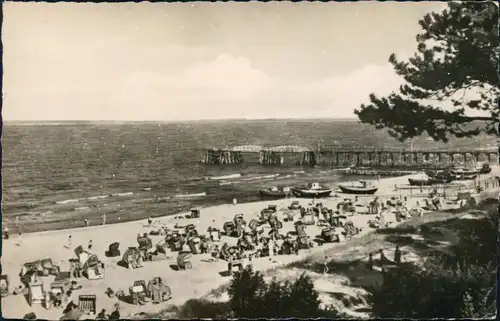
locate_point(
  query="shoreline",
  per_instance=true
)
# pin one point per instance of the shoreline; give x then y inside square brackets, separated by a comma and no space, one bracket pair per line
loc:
[388,187]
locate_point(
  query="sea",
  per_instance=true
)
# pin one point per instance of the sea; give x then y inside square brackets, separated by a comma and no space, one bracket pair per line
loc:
[57,175]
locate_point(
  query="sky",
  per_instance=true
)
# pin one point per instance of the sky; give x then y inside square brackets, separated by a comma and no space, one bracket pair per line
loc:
[182,61]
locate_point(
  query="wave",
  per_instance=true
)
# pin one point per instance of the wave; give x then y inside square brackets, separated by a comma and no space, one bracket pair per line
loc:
[81,208]
[260,177]
[231,176]
[257,178]
[191,195]
[97,197]
[68,201]
[123,194]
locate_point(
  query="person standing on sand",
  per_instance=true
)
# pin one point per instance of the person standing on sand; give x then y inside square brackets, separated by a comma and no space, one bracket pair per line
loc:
[86,222]
[20,231]
[235,201]
[69,242]
[103,219]
[6,233]
[90,245]
[326,269]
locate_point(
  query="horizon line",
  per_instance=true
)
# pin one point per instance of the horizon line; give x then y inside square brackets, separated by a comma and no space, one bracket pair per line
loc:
[179,121]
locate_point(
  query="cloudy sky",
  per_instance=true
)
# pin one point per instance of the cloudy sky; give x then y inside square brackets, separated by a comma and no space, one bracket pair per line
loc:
[145,61]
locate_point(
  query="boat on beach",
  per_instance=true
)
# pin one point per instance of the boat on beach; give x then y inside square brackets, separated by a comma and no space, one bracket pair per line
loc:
[361,187]
[427,179]
[483,168]
[312,190]
[274,192]
[463,174]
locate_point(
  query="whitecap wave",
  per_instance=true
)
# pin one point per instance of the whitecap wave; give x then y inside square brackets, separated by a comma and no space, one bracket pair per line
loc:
[68,201]
[97,197]
[123,194]
[190,195]
[216,178]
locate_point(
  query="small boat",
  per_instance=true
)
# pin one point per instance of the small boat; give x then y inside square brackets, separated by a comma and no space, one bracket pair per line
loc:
[461,174]
[421,179]
[360,188]
[274,192]
[483,168]
[425,179]
[312,190]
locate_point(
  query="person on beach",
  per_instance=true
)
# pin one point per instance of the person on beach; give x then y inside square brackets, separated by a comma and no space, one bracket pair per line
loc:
[102,315]
[326,269]
[69,241]
[115,315]
[90,245]
[103,219]
[150,221]
[86,222]
[6,233]
[48,300]
[216,253]
[70,305]
[397,255]
[235,201]
[20,231]
[370,261]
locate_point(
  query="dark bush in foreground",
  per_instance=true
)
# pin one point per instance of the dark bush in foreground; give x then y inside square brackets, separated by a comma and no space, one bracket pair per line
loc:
[251,297]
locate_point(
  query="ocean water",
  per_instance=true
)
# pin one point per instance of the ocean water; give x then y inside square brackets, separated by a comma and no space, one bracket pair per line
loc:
[55,175]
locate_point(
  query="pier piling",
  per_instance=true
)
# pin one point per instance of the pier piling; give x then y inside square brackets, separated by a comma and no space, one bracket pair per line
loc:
[339,157]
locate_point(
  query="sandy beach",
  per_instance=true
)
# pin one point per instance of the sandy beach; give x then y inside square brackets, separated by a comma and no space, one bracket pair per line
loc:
[185,284]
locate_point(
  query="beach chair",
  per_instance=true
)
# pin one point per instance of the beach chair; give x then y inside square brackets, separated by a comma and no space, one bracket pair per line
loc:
[228,228]
[87,303]
[295,205]
[145,243]
[234,266]
[329,235]
[214,235]
[350,229]
[304,242]
[130,258]
[113,250]
[176,242]
[275,223]
[4,285]
[138,292]
[273,208]
[191,231]
[239,220]
[265,214]
[194,245]
[79,250]
[36,294]
[93,268]
[48,268]
[300,228]
[183,261]
[195,213]
[308,218]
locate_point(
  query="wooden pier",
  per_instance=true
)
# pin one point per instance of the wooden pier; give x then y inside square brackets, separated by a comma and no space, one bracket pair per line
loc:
[345,157]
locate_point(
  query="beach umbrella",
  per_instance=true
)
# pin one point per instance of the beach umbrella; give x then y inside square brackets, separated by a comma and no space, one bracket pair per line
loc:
[74,314]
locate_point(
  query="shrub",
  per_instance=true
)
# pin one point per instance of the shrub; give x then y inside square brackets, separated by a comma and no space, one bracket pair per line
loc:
[251,297]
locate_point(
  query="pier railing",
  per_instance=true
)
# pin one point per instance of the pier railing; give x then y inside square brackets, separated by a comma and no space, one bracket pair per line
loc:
[347,157]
